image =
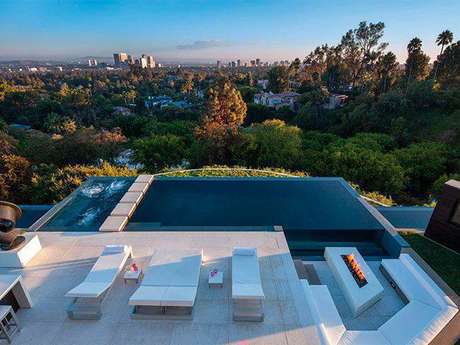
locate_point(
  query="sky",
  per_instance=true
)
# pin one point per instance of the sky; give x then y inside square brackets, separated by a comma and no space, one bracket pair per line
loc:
[208,30]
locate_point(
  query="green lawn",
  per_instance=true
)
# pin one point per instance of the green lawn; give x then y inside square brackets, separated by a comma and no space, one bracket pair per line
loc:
[445,262]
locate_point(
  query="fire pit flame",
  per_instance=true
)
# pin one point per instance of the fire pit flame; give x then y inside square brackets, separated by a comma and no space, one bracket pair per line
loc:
[355,269]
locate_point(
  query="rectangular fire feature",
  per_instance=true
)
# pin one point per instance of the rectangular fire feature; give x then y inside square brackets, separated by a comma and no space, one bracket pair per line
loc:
[355,269]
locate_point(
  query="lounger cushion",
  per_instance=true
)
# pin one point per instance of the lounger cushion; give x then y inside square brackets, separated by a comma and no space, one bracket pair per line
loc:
[107,268]
[174,269]
[103,273]
[171,280]
[244,251]
[363,338]
[179,296]
[247,291]
[88,290]
[246,282]
[148,296]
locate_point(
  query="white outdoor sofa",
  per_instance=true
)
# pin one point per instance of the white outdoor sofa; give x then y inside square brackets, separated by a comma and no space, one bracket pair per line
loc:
[169,287]
[428,310]
[247,292]
[89,295]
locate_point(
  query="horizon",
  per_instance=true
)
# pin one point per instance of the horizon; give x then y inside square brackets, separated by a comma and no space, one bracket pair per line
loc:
[208,31]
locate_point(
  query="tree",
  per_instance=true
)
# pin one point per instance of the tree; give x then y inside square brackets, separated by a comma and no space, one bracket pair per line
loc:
[448,66]
[273,144]
[15,173]
[423,164]
[361,48]
[417,62]
[386,70]
[278,79]
[56,124]
[159,151]
[371,170]
[225,113]
[444,38]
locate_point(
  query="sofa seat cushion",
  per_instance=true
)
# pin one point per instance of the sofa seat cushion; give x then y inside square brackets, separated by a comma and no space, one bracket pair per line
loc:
[413,324]
[330,323]
[437,295]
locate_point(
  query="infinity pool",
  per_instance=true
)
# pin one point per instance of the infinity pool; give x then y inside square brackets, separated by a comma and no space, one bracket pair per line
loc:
[88,207]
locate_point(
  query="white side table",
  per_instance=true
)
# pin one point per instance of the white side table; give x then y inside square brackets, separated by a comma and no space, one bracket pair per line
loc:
[216,279]
[133,276]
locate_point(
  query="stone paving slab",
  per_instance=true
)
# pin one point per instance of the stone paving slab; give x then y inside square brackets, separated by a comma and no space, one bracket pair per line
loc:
[68,257]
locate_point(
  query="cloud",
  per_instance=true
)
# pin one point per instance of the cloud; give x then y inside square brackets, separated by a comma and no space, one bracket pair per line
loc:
[198,45]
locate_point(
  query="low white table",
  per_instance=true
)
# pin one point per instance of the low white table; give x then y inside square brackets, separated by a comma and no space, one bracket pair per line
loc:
[14,283]
[358,298]
[133,276]
[216,280]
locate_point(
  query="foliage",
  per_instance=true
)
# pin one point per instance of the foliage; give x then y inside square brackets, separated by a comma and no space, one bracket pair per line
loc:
[423,163]
[273,144]
[225,113]
[50,184]
[234,171]
[417,62]
[278,79]
[159,151]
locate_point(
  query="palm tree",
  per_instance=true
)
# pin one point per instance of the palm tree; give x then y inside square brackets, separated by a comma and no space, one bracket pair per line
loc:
[444,38]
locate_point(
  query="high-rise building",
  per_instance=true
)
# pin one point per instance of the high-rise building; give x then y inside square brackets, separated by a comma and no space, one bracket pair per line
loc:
[131,60]
[92,62]
[120,58]
[150,61]
[257,62]
[143,62]
[238,63]
[218,63]
[253,63]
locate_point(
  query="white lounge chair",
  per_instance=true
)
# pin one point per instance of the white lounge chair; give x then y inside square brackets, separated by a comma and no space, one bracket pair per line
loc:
[88,295]
[247,292]
[169,287]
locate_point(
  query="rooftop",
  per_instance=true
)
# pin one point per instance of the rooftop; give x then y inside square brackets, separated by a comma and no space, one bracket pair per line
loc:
[66,258]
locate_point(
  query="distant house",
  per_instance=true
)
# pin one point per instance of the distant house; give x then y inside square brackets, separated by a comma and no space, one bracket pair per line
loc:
[278,100]
[157,101]
[335,101]
[165,101]
[122,111]
[263,83]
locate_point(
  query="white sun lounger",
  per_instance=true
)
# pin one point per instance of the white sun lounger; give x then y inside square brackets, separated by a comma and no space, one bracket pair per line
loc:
[169,287]
[88,295]
[247,292]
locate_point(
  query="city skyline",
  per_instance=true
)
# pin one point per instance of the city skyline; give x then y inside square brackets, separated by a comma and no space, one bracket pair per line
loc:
[203,31]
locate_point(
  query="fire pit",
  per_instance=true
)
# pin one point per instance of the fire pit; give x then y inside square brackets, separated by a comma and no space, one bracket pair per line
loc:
[355,269]
[359,285]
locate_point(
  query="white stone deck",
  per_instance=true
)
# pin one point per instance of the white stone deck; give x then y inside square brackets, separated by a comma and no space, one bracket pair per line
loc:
[370,319]
[66,258]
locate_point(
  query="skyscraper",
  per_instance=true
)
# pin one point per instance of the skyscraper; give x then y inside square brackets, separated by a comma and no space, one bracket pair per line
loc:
[238,63]
[143,61]
[120,58]
[218,63]
[150,61]
[92,62]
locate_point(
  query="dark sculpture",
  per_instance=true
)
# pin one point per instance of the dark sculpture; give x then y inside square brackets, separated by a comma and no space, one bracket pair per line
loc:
[10,238]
